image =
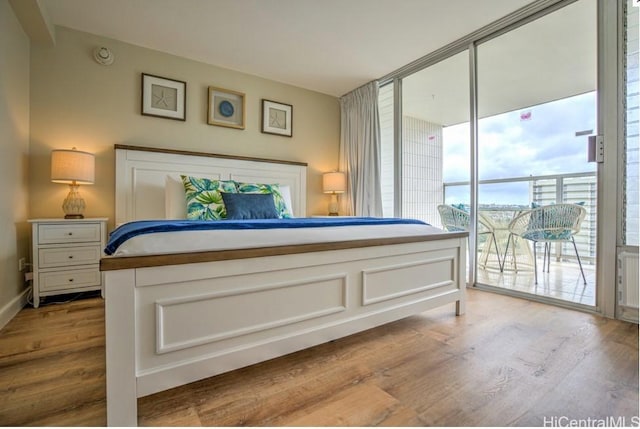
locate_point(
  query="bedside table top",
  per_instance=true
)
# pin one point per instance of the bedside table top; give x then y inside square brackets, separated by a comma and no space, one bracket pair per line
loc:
[61,219]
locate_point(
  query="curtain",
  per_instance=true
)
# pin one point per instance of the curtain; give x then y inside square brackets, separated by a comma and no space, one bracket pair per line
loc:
[360,151]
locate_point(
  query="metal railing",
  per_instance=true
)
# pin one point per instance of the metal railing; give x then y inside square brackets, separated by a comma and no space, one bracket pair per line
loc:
[543,190]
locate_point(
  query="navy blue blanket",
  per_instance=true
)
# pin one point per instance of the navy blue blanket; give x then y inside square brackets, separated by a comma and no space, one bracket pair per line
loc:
[131,229]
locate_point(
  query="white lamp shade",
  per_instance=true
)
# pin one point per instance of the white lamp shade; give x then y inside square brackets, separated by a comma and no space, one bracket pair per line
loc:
[68,166]
[334,182]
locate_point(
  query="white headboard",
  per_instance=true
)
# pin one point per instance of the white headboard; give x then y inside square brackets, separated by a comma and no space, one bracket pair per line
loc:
[141,174]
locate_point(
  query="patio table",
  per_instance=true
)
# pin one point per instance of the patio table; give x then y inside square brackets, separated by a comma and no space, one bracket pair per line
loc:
[520,257]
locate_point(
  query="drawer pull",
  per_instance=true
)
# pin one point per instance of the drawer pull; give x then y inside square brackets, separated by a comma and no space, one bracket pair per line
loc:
[70,256]
[70,233]
[71,280]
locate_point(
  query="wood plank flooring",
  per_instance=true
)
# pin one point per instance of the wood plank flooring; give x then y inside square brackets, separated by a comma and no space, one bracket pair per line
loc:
[507,362]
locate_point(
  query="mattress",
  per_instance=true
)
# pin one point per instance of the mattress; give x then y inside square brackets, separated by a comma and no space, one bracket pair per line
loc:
[332,230]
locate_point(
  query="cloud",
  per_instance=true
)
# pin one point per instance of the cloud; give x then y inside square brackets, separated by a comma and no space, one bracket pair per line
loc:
[510,147]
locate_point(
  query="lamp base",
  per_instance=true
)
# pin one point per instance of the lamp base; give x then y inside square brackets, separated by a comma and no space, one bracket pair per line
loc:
[333,205]
[73,205]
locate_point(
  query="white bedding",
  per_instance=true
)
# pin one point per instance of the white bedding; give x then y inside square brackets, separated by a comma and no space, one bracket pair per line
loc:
[197,241]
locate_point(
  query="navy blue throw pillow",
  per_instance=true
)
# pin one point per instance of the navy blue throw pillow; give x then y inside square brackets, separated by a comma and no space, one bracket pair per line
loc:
[250,206]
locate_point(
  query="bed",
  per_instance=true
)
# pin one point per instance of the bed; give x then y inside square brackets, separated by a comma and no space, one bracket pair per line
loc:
[174,317]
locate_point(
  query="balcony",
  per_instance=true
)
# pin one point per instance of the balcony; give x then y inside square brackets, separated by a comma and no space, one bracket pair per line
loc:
[563,279]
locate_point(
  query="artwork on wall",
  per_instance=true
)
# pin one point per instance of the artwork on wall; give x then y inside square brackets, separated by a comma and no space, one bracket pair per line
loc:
[226,108]
[164,98]
[277,118]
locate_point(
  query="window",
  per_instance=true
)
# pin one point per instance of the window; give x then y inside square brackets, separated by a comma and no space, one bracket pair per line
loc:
[632,113]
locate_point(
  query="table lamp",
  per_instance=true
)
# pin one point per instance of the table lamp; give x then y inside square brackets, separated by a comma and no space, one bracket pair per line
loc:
[334,183]
[75,168]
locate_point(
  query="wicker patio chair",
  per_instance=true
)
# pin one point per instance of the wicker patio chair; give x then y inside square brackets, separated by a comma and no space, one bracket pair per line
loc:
[548,224]
[454,219]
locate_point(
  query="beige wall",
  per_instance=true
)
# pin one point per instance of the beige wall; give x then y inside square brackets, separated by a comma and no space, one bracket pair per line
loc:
[77,102]
[14,151]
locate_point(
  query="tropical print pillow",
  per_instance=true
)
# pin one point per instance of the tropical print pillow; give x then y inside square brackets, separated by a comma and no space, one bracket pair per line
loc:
[204,199]
[262,188]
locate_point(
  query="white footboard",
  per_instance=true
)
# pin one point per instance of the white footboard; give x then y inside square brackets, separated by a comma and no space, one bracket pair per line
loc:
[171,325]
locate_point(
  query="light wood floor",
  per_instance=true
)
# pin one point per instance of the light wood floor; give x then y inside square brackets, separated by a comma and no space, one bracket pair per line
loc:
[506,362]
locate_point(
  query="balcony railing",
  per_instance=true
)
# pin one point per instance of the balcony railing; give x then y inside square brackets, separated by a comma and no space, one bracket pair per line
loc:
[543,190]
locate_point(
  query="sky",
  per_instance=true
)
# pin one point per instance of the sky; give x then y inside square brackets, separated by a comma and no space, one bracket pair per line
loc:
[536,141]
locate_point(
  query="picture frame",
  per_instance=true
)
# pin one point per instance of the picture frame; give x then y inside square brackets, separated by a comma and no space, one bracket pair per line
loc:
[163,97]
[277,118]
[226,108]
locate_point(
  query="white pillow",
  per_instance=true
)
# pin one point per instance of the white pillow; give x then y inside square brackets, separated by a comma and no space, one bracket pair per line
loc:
[285,190]
[175,203]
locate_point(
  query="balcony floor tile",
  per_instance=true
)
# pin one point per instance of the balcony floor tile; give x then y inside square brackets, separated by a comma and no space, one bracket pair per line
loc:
[563,281]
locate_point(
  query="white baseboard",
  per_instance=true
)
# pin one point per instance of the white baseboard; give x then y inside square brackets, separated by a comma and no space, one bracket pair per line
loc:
[12,308]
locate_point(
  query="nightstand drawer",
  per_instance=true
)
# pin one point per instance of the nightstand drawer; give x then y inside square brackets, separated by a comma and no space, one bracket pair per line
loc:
[71,279]
[65,256]
[68,233]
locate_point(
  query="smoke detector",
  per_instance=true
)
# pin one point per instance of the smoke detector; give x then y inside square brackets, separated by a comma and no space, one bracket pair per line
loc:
[103,56]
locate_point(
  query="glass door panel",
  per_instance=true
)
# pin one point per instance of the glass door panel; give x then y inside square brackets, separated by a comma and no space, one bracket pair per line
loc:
[435,137]
[631,235]
[435,141]
[386,114]
[536,107]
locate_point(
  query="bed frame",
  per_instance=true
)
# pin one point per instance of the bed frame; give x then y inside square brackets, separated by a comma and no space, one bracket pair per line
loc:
[175,319]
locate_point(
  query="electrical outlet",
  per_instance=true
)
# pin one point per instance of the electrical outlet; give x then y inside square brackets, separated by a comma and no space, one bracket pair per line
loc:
[22,264]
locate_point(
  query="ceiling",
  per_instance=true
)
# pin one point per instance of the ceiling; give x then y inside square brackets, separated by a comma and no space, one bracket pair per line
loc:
[329,46]
[551,58]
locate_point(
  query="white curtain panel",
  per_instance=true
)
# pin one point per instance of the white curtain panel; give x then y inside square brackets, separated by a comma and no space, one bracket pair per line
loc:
[360,151]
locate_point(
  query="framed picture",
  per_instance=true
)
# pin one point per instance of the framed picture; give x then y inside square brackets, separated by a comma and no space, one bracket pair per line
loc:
[226,108]
[277,118]
[164,98]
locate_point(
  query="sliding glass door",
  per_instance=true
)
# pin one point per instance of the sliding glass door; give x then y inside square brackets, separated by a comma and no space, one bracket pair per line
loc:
[495,129]
[435,139]
[433,151]
[536,109]
[432,157]
[629,181]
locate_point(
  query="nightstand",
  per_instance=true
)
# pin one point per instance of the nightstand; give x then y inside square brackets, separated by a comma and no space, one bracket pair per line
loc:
[66,255]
